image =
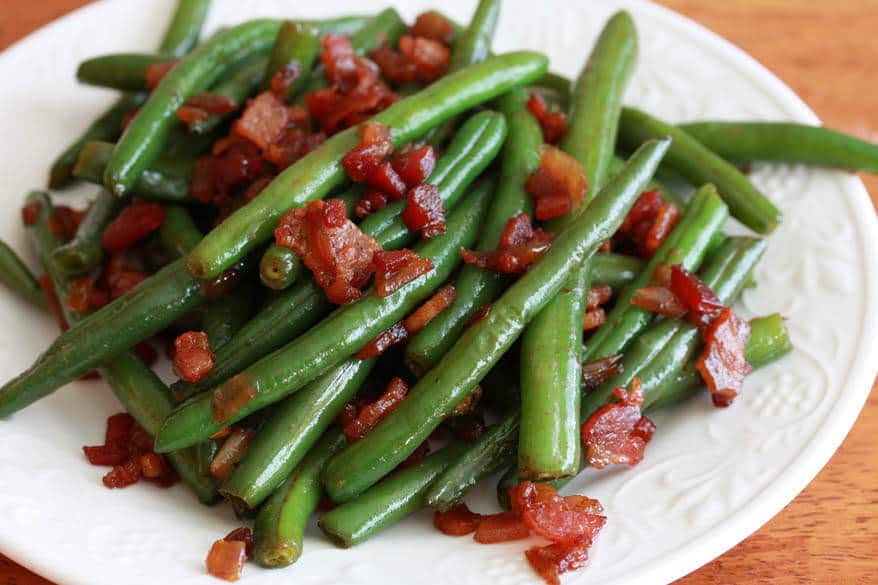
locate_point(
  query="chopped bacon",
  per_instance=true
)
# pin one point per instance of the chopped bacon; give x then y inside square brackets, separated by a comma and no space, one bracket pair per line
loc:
[554,517]
[395,269]
[502,527]
[79,294]
[415,165]
[371,202]
[225,560]
[364,159]
[371,414]
[294,144]
[558,186]
[617,433]
[233,449]
[722,363]
[338,57]
[107,454]
[429,57]
[64,221]
[644,209]
[593,319]
[551,561]
[665,221]
[48,289]
[422,316]
[387,180]
[30,213]
[658,299]
[432,25]
[230,397]
[598,295]
[648,223]
[597,372]
[517,231]
[191,115]
[425,211]
[134,223]
[662,274]
[242,534]
[193,358]
[263,120]
[155,72]
[553,124]
[331,246]
[120,278]
[456,521]
[395,67]
[151,465]
[520,246]
[284,78]
[698,298]
[397,333]
[123,475]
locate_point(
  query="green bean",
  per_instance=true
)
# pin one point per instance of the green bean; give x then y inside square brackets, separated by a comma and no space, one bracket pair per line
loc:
[616,270]
[385,27]
[493,451]
[123,71]
[480,347]
[279,531]
[297,42]
[785,142]
[320,171]
[475,287]
[237,86]
[686,245]
[330,342]
[142,141]
[699,165]
[185,27]
[84,251]
[340,25]
[166,180]
[178,233]
[388,502]
[17,277]
[471,151]
[224,317]
[473,45]
[290,431]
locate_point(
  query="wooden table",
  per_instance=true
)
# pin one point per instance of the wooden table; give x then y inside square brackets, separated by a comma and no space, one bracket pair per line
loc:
[827,52]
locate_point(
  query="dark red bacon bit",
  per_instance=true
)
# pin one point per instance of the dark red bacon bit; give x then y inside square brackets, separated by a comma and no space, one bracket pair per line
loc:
[191,115]
[518,230]
[722,363]
[430,58]
[155,72]
[520,246]
[213,103]
[558,186]
[432,25]
[644,209]
[242,534]
[414,165]
[422,316]
[388,181]
[119,278]
[64,221]
[554,517]
[338,57]
[285,77]
[233,449]
[263,121]
[134,223]
[384,341]
[123,475]
[597,372]
[648,223]
[225,560]
[665,221]
[193,358]
[598,295]
[593,319]
[553,124]
[395,67]
[698,298]
[371,414]
[30,213]
[79,294]
[372,201]
[502,527]
[331,246]
[618,433]
[551,561]
[456,521]
[395,269]
[658,299]
[364,159]
[293,145]
[425,211]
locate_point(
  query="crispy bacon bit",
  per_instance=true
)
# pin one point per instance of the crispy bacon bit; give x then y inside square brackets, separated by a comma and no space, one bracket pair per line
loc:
[123,475]
[387,180]
[384,341]
[414,165]
[263,121]
[597,372]
[30,213]
[520,246]
[48,289]
[658,299]
[371,202]
[395,67]
[151,465]
[648,223]
[193,358]
[233,449]
[191,115]
[456,521]
[552,516]
[432,25]
[551,561]
[425,211]
[553,124]
[242,534]
[338,57]
[468,404]
[155,72]
[64,221]
[618,433]
[331,246]
[226,559]
[598,295]
[593,319]
[698,298]
[429,57]
[722,364]
[119,277]
[293,145]
[665,221]
[395,269]
[365,158]
[229,398]
[502,527]
[109,455]
[644,209]
[371,414]
[284,78]
[558,186]
[428,311]
[79,294]
[134,223]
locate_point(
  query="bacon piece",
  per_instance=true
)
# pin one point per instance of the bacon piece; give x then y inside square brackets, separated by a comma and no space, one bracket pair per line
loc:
[64,221]
[518,230]
[225,560]
[365,158]
[617,433]
[648,223]
[425,211]
[134,223]
[395,67]
[663,224]
[422,316]
[191,115]
[294,144]
[698,298]
[432,25]
[284,78]
[722,363]
[338,57]
[397,333]
[213,103]
[387,180]
[553,560]
[414,165]
[644,209]
[242,534]
[151,465]
[123,475]
[598,295]
[30,213]
[256,187]
[263,120]
[79,294]
[233,449]
[193,358]
[396,268]
[371,202]
[658,299]
[456,521]
[553,124]
[558,186]
[593,319]
[371,414]
[520,246]
[110,455]
[119,278]
[430,57]
[155,72]
[552,516]
[129,450]
[502,527]
[597,372]
[331,246]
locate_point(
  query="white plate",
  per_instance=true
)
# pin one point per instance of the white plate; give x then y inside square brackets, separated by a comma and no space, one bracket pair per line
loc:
[710,477]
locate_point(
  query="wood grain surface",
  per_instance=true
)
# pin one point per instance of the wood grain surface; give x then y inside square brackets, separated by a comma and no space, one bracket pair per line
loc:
[827,51]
